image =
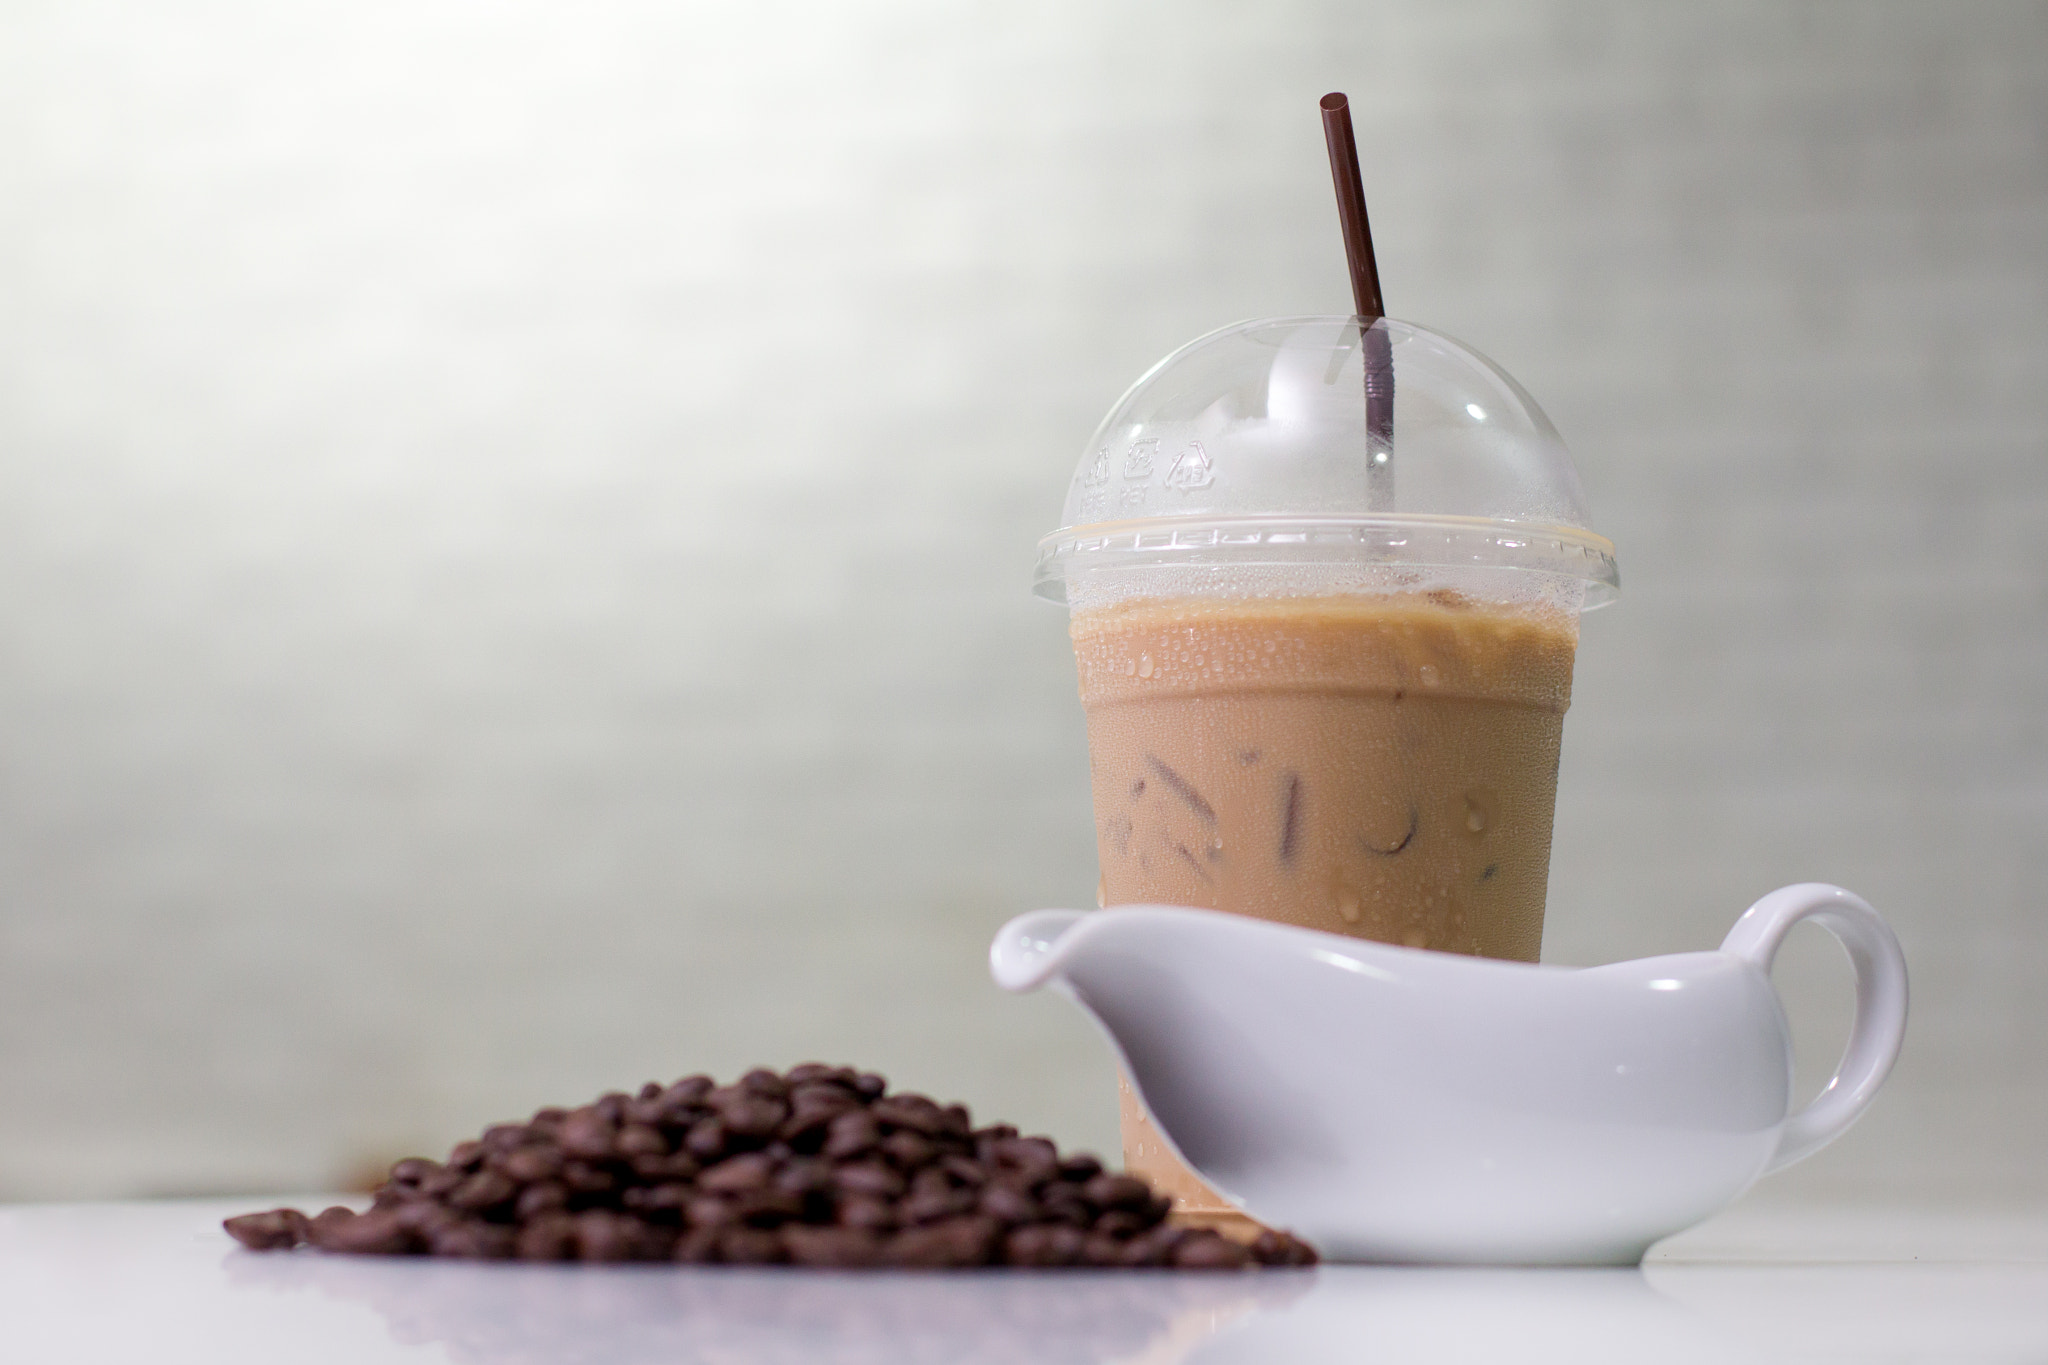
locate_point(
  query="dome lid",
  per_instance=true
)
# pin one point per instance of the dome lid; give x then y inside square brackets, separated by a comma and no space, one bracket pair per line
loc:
[1257,448]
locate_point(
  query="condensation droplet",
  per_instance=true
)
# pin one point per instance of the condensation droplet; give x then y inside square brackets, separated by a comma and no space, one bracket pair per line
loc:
[1144,665]
[1102,891]
[1415,938]
[1429,675]
[1130,667]
[1347,905]
[1475,817]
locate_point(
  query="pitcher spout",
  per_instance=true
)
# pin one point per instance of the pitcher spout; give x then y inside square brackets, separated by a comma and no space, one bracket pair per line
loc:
[1031,949]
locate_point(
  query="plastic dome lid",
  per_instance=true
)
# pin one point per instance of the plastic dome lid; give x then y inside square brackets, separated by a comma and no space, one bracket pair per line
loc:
[1246,458]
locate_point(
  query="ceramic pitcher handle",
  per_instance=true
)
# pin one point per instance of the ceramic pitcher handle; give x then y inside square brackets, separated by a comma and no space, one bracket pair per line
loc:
[1880,1003]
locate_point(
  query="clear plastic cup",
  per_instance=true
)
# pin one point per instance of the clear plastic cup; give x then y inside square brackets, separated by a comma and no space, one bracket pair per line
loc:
[1325,672]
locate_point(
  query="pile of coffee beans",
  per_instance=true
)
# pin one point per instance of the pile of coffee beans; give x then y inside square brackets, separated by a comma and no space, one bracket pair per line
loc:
[819,1166]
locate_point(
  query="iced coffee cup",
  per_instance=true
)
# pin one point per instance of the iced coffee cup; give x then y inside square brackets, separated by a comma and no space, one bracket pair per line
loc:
[1325,665]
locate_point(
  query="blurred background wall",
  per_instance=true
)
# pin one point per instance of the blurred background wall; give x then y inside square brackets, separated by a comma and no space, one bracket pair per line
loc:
[515,523]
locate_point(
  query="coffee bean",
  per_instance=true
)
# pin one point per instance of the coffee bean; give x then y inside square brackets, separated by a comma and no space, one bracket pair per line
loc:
[377,1233]
[748,1171]
[954,1242]
[819,1166]
[277,1230]
[1079,1168]
[908,1150]
[750,1246]
[540,1199]
[688,1091]
[698,1246]
[869,1178]
[484,1190]
[528,1164]
[707,1140]
[1117,1192]
[852,1133]
[601,1235]
[839,1247]
[861,1211]
[930,1206]
[546,1237]
[1007,1203]
[474,1241]
[1210,1251]
[637,1139]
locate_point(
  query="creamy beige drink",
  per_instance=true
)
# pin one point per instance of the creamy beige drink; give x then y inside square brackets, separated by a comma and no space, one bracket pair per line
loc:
[1378,765]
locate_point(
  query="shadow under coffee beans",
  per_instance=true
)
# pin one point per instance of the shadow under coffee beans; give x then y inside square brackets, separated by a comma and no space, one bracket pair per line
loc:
[818,1166]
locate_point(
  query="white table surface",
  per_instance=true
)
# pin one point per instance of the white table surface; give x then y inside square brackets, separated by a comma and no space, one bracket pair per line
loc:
[159,1282]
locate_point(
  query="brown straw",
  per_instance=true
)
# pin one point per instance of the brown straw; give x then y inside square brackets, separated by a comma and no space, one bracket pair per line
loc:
[1365,295]
[1365,271]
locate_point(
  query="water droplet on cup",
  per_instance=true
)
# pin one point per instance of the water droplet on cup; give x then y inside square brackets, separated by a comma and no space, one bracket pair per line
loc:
[1415,938]
[1429,675]
[1130,667]
[1144,665]
[1347,905]
[1102,891]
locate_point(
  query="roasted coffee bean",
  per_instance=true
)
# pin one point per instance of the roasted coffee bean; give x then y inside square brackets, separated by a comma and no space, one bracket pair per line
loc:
[531,1163]
[584,1177]
[1079,1168]
[474,1241]
[869,1178]
[860,1211]
[698,1246]
[1207,1250]
[931,1206]
[539,1199]
[504,1137]
[377,1233]
[750,1246]
[768,1208]
[852,1133]
[484,1190]
[1273,1247]
[637,1139]
[819,1166]
[277,1230]
[842,1247]
[707,1140]
[909,1150]
[688,1091]
[587,1133]
[548,1237]
[1117,1192]
[753,1119]
[954,1242]
[675,1166]
[1005,1202]
[602,1235]
[748,1171]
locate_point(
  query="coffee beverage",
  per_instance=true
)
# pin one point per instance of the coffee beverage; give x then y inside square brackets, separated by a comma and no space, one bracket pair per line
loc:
[1384,766]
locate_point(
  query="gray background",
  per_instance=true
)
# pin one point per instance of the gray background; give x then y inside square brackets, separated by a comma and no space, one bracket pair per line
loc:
[515,523]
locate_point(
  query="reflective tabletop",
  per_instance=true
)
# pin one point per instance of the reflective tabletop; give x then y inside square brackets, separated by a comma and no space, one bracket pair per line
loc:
[159,1282]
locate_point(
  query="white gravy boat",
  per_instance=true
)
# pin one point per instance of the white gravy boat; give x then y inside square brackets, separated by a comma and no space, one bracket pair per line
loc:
[1392,1104]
